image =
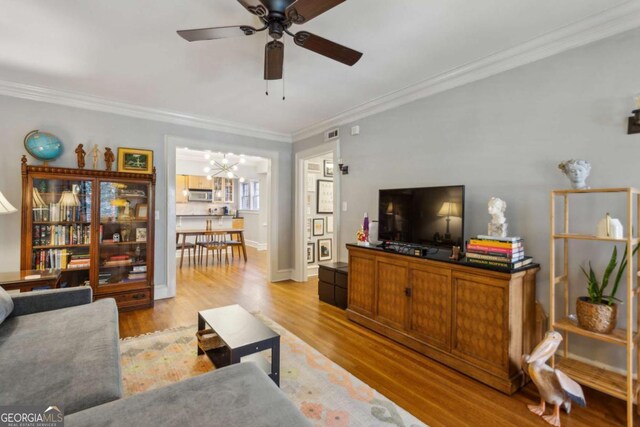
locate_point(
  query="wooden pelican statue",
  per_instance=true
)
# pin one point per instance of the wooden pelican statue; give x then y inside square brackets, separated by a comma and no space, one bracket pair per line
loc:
[554,386]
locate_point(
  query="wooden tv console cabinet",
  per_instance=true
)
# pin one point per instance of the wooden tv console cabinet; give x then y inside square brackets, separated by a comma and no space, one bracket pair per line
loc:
[475,320]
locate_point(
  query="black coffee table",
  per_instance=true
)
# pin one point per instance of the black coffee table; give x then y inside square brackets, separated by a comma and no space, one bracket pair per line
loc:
[242,336]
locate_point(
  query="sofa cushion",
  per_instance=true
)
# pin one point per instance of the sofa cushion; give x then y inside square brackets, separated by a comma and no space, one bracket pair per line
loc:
[68,357]
[6,304]
[238,395]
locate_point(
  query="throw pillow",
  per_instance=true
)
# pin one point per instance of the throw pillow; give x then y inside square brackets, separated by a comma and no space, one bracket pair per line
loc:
[6,304]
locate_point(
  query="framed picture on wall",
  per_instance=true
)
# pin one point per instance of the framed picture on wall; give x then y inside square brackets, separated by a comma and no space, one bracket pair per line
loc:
[328,168]
[311,183]
[135,160]
[324,249]
[314,167]
[329,224]
[318,226]
[324,196]
[309,229]
[311,253]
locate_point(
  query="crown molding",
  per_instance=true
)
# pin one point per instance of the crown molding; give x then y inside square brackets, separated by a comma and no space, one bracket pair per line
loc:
[605,24]
[89,102]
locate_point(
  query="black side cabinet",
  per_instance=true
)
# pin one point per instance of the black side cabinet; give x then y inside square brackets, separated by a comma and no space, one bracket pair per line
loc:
[332,283]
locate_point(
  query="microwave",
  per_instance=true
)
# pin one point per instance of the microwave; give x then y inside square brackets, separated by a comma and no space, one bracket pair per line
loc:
[200,196]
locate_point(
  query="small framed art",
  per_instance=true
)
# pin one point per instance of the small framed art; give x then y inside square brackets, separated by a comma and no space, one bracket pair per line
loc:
[318,226]
[141,234]
[133,160]
[142,211]
[324,249]
[328,168]
[324,196]
[311,253]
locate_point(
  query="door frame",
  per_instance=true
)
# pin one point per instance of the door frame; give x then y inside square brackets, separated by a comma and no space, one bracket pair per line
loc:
[271,193]
[300,261]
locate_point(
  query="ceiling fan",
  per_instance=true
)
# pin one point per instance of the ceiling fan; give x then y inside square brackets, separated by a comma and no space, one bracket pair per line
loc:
[278,16]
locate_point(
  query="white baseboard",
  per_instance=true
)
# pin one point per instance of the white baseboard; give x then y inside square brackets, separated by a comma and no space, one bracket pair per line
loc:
[259,246]
[282,275]
[597,364]
[312,270]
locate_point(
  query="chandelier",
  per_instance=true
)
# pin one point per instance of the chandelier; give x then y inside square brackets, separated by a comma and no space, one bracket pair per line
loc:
[223,167]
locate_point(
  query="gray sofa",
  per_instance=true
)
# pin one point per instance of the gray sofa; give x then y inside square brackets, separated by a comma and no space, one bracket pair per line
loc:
[59,348]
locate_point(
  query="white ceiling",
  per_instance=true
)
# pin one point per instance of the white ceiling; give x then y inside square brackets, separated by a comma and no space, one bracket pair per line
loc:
[128,51]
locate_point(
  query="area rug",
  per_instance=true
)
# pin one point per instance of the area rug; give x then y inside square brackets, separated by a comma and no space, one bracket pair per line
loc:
[324,392]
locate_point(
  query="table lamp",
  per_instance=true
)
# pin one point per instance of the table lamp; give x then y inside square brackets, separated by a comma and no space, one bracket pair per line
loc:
[5,206]
[449,209]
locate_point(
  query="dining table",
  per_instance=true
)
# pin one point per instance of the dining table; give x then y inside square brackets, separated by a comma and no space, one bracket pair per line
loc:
[209,232]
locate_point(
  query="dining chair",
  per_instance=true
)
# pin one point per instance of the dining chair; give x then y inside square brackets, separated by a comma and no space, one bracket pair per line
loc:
[189,247]
[215,244]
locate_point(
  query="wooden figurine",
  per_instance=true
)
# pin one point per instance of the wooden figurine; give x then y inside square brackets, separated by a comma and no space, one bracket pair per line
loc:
[95,152]
[554,386]
[109,158]
[80,153]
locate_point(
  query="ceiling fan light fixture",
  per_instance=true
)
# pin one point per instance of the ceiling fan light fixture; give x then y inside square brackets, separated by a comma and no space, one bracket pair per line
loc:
[277,17]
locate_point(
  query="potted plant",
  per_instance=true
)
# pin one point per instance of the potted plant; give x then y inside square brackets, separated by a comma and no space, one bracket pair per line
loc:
[598,312]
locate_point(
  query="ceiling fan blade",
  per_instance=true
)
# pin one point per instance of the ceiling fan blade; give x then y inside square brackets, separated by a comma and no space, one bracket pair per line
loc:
[305,10]
[216,33]
[273,60]
[254,6]
[327,48]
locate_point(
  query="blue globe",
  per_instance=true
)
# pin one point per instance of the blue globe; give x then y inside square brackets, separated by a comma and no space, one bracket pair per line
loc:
[43,146]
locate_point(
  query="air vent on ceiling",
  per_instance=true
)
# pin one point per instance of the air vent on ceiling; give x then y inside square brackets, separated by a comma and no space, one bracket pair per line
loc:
[330,135]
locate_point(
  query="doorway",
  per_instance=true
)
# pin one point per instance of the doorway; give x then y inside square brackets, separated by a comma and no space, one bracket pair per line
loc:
[317,214]
[218,187]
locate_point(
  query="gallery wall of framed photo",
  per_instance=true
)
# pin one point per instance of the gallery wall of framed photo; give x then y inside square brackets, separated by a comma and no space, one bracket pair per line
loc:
[319,218]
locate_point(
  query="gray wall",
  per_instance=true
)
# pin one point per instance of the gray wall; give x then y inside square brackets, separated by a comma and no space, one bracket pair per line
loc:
[74,126]
[504,136]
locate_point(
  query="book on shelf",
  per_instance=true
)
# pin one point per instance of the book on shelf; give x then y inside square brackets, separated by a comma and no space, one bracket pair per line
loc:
[64,259]
[507,265]
[139,269]
[496,243]
[498,258]
[493,251]
[499,239]
[55,235]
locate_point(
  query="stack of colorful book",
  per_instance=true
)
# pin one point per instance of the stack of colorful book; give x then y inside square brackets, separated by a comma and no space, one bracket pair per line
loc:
[502,252]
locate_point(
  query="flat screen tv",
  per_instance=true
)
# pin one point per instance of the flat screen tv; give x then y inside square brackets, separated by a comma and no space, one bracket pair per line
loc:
[430,216]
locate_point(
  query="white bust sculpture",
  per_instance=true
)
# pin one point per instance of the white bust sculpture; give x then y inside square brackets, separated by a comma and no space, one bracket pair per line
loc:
[577,171]
[498,225]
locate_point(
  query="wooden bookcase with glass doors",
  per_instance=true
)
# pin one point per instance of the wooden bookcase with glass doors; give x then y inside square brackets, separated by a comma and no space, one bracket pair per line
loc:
[97,227]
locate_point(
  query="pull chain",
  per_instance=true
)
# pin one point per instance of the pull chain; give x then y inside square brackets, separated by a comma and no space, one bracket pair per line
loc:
[283,75]
[266,39]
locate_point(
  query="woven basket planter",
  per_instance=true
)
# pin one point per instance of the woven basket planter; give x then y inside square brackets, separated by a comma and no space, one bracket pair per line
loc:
[596,317]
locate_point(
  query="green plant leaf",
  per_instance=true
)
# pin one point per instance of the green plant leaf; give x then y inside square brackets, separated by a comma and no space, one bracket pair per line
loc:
[623,265]
[610,267]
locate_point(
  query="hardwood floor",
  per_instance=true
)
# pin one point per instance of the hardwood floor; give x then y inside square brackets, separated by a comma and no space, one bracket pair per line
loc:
[437,395]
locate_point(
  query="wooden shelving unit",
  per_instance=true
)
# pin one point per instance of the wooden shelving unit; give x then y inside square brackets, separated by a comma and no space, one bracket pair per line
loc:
[606,381]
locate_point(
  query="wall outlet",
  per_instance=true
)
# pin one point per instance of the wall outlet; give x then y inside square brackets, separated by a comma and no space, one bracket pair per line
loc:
[344,206]
[157,215]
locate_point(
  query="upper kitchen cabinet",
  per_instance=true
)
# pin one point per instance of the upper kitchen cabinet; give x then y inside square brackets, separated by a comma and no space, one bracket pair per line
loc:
[223,190]
[182,184]
[199,182]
